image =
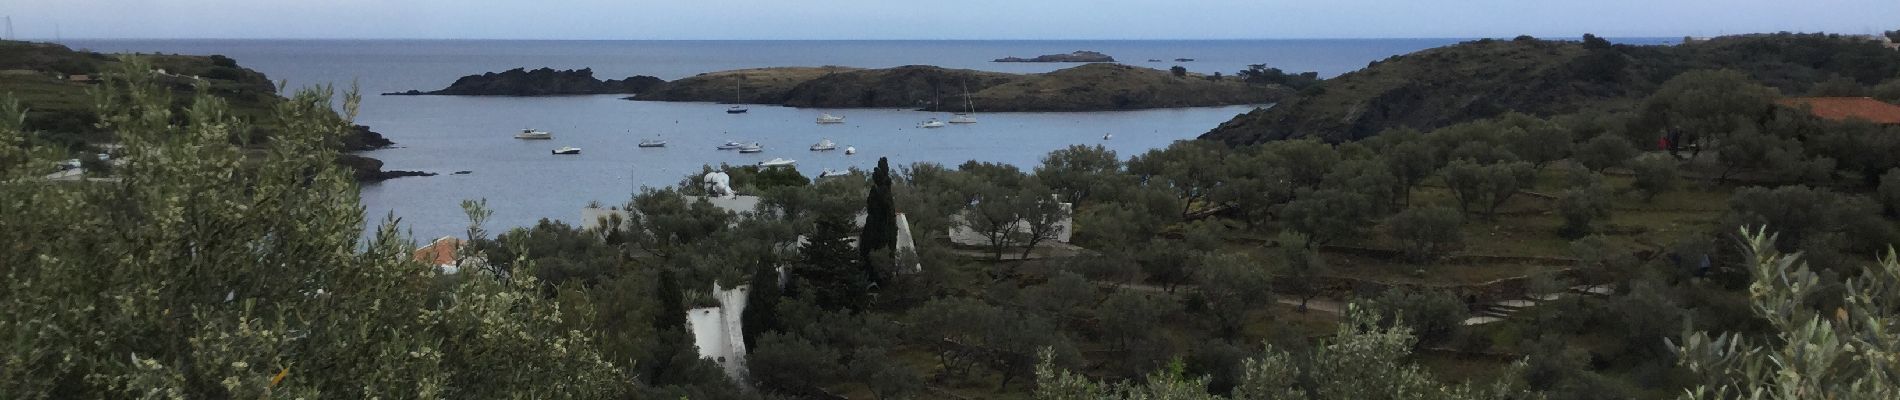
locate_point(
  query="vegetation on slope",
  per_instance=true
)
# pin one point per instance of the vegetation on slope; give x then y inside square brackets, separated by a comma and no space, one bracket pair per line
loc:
[1083,88]
[1484,78]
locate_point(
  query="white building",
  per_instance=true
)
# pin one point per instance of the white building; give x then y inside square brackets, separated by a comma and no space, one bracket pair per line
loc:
[718,331]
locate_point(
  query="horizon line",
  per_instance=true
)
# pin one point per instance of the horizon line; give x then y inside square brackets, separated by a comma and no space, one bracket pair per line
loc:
[1574,37]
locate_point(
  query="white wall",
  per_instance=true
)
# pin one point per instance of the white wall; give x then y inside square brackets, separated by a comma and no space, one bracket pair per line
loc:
[717,331]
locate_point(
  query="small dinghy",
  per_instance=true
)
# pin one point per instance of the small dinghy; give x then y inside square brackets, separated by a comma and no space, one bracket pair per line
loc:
[653,143]
[848,150]
[731,146]
[569,150]
[830,119]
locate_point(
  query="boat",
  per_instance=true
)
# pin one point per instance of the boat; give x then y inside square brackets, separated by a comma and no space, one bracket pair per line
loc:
[731,146]
[848,150]
[752,148]
[829,173]
[736,108]
[567,150]
[1154,60]
[653,143]
[830,119]
[824,145]
[969,115]
[534,135]
[1184,60]
[777,162]
[1107,136]
[931,123]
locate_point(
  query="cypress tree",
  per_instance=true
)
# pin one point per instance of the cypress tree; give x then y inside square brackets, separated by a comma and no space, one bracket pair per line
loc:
[761,304]
[880,220]
[826,267]
[672,313]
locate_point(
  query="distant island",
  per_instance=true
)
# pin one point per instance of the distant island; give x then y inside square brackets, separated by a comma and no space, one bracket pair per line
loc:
[1079,56]
[1091,87]
[539,82]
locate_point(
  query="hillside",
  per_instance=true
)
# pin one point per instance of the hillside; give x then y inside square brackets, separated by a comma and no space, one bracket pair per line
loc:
[52,81]
[1083,88]
[540,82]
[1480,79]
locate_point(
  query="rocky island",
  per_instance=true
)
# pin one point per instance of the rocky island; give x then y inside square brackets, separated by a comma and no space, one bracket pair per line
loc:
[1092,87]
[1079,56]
[539,82]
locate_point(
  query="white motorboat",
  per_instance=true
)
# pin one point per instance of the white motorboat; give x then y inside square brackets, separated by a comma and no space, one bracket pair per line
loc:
[534,135]
[962,118]
[1107,136]
[830,119]
[931,123]
[568,150]
[752,148]
[829,173]
[777,162]
[731,146]
[824,145]
[848,150]
[653,143]
[736,110]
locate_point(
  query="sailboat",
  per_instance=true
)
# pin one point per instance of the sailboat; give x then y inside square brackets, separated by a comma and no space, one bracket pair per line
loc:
[966,117]
[736,107]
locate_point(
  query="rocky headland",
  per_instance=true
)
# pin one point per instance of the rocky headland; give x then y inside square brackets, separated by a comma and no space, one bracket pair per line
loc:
[1079,56]
[539,82]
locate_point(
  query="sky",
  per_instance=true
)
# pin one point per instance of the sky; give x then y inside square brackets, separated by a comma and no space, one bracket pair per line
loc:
[938,19]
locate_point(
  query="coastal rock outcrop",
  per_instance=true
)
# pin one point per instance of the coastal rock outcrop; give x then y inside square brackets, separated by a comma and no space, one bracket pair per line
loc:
[370,170]
[1079,56]
[541,82]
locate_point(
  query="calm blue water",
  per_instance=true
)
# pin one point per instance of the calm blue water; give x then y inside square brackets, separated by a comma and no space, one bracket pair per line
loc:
[523,183]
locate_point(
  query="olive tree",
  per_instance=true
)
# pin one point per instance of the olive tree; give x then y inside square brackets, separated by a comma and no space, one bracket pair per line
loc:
[1486,187]
[1426,234]
[1843,353]
[203,274]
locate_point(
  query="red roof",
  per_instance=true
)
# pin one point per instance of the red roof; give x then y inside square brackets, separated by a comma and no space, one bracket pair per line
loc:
[442,252]
[1845,108]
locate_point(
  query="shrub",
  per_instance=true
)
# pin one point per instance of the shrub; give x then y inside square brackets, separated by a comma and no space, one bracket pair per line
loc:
[1432,315]
[1603,152]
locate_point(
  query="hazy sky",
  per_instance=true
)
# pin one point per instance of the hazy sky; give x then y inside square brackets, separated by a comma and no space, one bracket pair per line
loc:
[936,19]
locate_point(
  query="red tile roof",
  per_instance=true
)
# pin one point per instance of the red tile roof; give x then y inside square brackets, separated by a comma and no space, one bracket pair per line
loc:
[1845,108]
[442,252]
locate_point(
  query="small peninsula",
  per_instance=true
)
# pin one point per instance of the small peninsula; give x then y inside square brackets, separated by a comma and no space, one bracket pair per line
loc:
[539,82]
[1079,56]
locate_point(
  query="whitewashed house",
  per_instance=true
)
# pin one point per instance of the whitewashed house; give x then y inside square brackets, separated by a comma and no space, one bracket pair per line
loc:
[718,331]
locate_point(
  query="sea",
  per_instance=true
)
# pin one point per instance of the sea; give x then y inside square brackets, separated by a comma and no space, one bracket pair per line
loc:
[523,183]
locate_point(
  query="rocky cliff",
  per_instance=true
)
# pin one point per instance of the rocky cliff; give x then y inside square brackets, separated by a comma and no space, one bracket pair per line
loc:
[541,82]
